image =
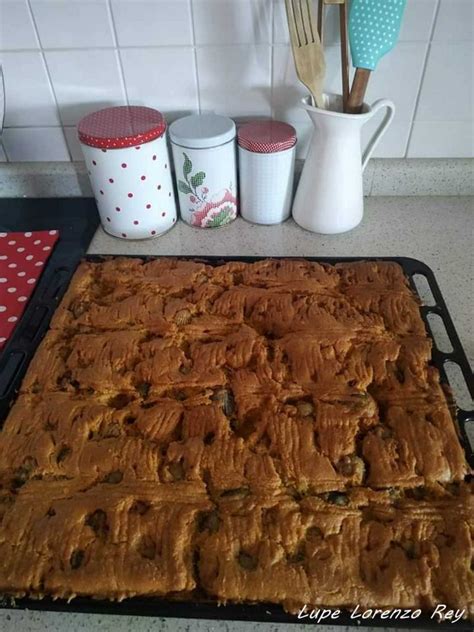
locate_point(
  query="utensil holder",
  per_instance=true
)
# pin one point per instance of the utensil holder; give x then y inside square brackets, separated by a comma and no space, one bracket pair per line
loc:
[329,198]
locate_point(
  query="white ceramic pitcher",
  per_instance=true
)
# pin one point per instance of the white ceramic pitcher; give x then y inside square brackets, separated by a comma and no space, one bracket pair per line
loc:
[329,198]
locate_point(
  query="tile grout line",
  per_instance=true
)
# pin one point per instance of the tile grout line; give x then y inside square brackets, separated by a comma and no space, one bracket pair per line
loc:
[180,46]
[422,78]
[194,47]
[59,49]
[274,44]
[49,126]
[50,81]
[117,50]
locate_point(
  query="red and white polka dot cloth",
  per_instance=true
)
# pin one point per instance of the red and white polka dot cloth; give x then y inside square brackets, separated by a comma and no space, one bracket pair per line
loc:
[22,258]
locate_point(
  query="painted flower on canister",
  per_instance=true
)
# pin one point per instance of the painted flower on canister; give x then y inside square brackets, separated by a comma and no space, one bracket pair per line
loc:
[221,210]
[206,212]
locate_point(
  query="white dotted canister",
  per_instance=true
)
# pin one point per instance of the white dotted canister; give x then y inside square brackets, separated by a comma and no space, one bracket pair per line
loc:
[127,160]
[266,165]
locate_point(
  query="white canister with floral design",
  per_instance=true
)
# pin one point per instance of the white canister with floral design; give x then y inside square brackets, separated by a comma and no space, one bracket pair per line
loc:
[127,160]
[205,165]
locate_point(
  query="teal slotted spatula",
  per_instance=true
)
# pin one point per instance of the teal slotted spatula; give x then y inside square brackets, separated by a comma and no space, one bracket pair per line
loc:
[374,26]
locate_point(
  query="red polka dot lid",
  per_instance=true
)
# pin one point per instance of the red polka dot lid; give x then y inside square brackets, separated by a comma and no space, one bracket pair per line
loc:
[122,126]
[265,137]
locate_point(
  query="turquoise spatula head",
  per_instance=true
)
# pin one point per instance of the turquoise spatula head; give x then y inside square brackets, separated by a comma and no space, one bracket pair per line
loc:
[374,26]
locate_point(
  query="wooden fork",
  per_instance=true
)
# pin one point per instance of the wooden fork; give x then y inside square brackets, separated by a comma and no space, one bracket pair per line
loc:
[307,50]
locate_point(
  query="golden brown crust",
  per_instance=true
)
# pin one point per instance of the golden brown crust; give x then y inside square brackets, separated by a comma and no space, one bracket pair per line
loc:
[74,538]
[270,431]
[365,551]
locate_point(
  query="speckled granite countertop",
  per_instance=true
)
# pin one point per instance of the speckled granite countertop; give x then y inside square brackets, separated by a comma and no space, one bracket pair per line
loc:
[437,231]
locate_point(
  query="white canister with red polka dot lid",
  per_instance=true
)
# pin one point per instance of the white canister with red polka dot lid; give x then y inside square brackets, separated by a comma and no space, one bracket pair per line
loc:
[266,163]
[127,160]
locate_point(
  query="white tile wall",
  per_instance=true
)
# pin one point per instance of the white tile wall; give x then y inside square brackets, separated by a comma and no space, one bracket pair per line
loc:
[455,21]
[418,20]
[29,98]
[72,24]
[444,96]
[25,144]
[445,139]
[152,22]
[164,78]
[232,21]
[16,26]
[398,78]
[84,80]
[65,58]
[443,126]
[73,144]
[235,80]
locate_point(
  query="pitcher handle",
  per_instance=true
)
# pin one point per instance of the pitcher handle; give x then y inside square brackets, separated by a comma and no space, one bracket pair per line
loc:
[381,129]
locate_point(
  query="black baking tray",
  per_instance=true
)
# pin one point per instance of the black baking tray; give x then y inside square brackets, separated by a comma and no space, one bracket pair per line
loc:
[76,219]
[24,342]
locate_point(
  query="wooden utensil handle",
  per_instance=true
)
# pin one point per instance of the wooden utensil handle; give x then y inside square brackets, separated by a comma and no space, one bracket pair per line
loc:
[321,16]
[344,55]
[358,90]
[321,20]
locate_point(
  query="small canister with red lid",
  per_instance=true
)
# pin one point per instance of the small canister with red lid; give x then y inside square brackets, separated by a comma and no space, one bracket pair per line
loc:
[266,165]
[128,164]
